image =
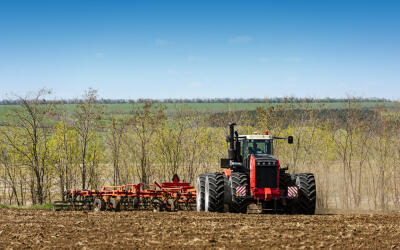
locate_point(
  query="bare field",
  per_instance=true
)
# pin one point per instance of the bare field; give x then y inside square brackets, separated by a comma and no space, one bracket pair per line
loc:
[187,230]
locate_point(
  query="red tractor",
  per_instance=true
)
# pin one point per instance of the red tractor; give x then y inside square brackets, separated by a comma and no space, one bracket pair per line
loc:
[252,175]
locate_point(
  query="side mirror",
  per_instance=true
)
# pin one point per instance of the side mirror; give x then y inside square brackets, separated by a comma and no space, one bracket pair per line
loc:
[290,139]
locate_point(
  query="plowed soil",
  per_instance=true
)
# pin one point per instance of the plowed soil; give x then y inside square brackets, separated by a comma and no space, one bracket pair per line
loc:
[187,230]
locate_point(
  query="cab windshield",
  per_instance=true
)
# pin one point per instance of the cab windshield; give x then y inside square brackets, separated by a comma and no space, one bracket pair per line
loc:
[256,147]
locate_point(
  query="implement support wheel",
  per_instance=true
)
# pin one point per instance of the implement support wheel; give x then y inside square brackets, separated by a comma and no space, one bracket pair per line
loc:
[116,206]
[99,205]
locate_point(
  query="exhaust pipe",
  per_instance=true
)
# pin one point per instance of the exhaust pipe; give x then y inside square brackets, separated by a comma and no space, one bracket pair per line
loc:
[231,150]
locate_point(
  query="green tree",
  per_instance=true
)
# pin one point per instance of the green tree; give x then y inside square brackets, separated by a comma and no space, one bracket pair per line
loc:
[64,148]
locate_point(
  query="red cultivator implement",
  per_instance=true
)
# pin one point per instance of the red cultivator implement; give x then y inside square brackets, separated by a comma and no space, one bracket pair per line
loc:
[169,196]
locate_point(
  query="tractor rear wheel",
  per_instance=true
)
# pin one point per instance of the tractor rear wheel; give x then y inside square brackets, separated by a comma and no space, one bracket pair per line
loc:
[200,185]
[307,193]
[214,193]
[239,203]
[99,205]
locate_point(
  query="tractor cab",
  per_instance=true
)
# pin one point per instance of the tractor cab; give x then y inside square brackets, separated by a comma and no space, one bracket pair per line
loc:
[255,145]
[242,147]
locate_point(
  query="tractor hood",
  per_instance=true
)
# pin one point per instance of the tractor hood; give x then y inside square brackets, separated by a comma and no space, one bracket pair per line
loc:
[270,159]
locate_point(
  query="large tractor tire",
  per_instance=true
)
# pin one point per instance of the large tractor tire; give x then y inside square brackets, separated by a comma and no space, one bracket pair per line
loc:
[214,193]
[238,203]
[200,185]
[307,194]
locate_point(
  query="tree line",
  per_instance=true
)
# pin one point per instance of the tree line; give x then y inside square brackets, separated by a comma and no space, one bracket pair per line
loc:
[46,149]
[205,100]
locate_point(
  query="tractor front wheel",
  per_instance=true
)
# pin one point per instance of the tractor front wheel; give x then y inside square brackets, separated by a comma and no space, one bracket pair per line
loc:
[239,191]
[214,193]
[200,185]
[307,194]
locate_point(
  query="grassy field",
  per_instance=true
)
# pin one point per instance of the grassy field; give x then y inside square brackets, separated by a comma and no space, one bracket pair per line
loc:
[34,207]
[211,107]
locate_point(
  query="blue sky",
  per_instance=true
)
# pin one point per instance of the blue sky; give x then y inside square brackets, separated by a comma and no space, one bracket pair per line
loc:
[188,49]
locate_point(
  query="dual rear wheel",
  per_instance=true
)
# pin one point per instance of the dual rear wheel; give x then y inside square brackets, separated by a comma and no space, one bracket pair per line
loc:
[306,202]
[307,193]
[211,194]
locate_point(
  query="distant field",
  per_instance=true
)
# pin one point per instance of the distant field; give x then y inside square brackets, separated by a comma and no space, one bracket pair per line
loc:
[213,107]
[218,107]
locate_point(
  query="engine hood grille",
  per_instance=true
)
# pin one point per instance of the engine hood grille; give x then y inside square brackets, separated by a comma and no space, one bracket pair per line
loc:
[266,171]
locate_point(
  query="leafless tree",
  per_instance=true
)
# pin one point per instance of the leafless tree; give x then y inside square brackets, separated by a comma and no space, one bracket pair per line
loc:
[144,124]
[29,137]
[87,118]
[117,133]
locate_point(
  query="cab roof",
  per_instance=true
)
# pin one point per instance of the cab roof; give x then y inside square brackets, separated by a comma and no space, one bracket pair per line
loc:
[257,137]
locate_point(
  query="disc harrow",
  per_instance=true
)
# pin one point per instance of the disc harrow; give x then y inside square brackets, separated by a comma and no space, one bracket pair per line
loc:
[167,196]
